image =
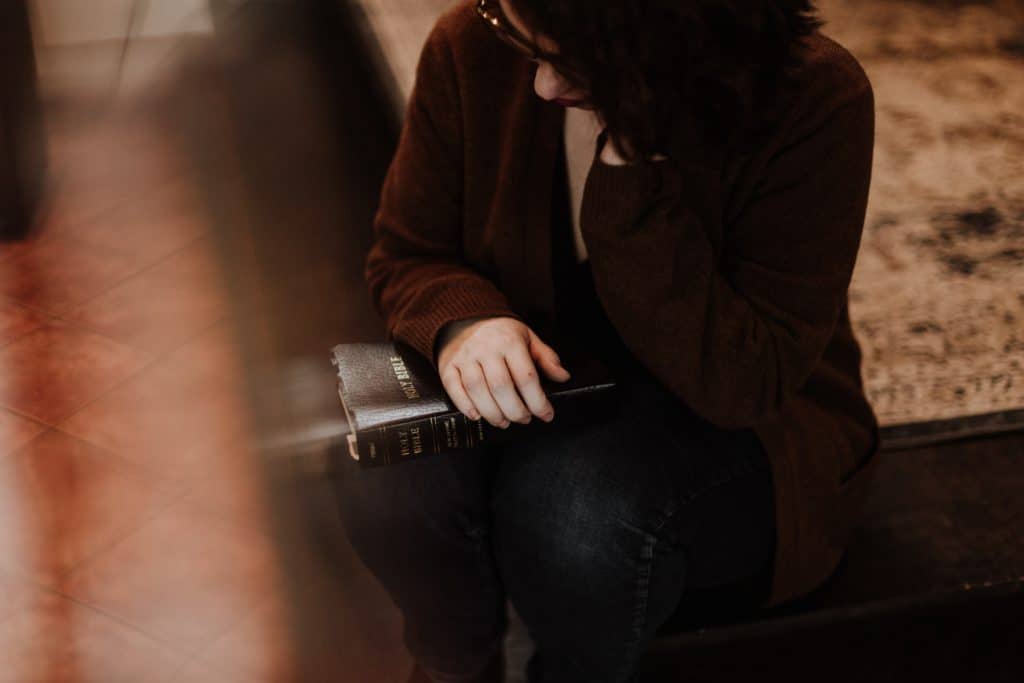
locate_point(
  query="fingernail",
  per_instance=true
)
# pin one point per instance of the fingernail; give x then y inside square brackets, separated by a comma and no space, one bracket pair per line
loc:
[547,417]
[505,424]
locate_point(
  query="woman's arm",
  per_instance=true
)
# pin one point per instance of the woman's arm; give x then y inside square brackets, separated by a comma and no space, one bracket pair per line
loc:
[415,273]
[735,338]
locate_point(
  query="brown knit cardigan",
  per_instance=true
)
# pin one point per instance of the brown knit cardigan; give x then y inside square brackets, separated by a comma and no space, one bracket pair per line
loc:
[725,274]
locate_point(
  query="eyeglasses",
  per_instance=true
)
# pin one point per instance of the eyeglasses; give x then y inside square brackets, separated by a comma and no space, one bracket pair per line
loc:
[492,14]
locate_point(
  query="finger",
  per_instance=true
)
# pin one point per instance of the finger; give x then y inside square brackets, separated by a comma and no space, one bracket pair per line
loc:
[546,359]
[503,389]
[475,382]
[524,374]
[452,381]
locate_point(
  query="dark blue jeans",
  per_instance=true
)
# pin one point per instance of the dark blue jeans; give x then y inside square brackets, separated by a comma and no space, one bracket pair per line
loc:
[596,534]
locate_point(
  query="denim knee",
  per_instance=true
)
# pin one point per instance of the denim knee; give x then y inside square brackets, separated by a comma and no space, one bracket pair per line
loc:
[595,528]
[576,548]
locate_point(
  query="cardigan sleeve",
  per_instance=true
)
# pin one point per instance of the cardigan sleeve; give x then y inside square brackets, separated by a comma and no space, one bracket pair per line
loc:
[416,276]
[735,337]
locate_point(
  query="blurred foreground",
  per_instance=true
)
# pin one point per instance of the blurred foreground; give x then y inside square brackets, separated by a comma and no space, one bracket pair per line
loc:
[158,520]
[133,533]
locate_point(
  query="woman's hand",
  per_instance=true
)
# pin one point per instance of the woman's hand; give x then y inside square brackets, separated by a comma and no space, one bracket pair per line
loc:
[489,367]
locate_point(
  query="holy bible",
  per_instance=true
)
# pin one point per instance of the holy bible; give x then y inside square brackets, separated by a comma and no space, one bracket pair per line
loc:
[397,408]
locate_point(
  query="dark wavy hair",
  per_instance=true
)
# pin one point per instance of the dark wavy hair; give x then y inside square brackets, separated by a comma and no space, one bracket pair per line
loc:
[646,62]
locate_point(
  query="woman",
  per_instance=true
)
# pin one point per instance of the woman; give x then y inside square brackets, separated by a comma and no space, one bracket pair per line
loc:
[680,186]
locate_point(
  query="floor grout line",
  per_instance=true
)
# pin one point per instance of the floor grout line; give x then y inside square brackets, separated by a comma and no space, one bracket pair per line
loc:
[148,365]
[131,276]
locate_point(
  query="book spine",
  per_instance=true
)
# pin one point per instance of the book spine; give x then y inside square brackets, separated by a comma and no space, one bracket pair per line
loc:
[439,434]
[398,442]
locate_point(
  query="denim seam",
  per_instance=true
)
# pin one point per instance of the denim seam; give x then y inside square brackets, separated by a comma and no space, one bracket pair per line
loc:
[640,611]
[643,590]
[640,607]
[481,539]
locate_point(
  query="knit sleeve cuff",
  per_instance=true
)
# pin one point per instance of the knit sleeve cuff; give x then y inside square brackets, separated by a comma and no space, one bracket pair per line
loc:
[449,301]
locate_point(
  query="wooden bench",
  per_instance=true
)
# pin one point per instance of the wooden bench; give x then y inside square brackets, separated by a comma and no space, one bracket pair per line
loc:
[932,584]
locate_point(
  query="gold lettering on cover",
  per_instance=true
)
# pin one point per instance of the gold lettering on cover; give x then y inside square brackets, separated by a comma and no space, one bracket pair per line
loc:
[404,380]
[450,432]
[417,440]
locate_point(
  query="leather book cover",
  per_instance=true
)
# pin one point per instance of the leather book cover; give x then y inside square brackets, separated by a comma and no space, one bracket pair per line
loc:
[397,408]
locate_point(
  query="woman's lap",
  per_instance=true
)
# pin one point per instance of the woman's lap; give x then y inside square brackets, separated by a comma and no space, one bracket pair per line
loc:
[607,525]
[596,532]
[652,459]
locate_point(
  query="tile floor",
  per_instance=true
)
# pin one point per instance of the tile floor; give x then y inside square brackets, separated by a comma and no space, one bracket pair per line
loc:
[133,540]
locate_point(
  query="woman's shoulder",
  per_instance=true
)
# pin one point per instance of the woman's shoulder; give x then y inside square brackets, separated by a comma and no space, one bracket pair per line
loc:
[477,58]
[462,30]
[831,67]
[826,76]
[460,16]
[825,84]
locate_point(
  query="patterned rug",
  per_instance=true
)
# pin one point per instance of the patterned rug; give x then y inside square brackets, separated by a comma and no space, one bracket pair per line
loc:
[937,297]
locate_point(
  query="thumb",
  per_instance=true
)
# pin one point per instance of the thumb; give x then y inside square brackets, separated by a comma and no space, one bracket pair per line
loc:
[546,359]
